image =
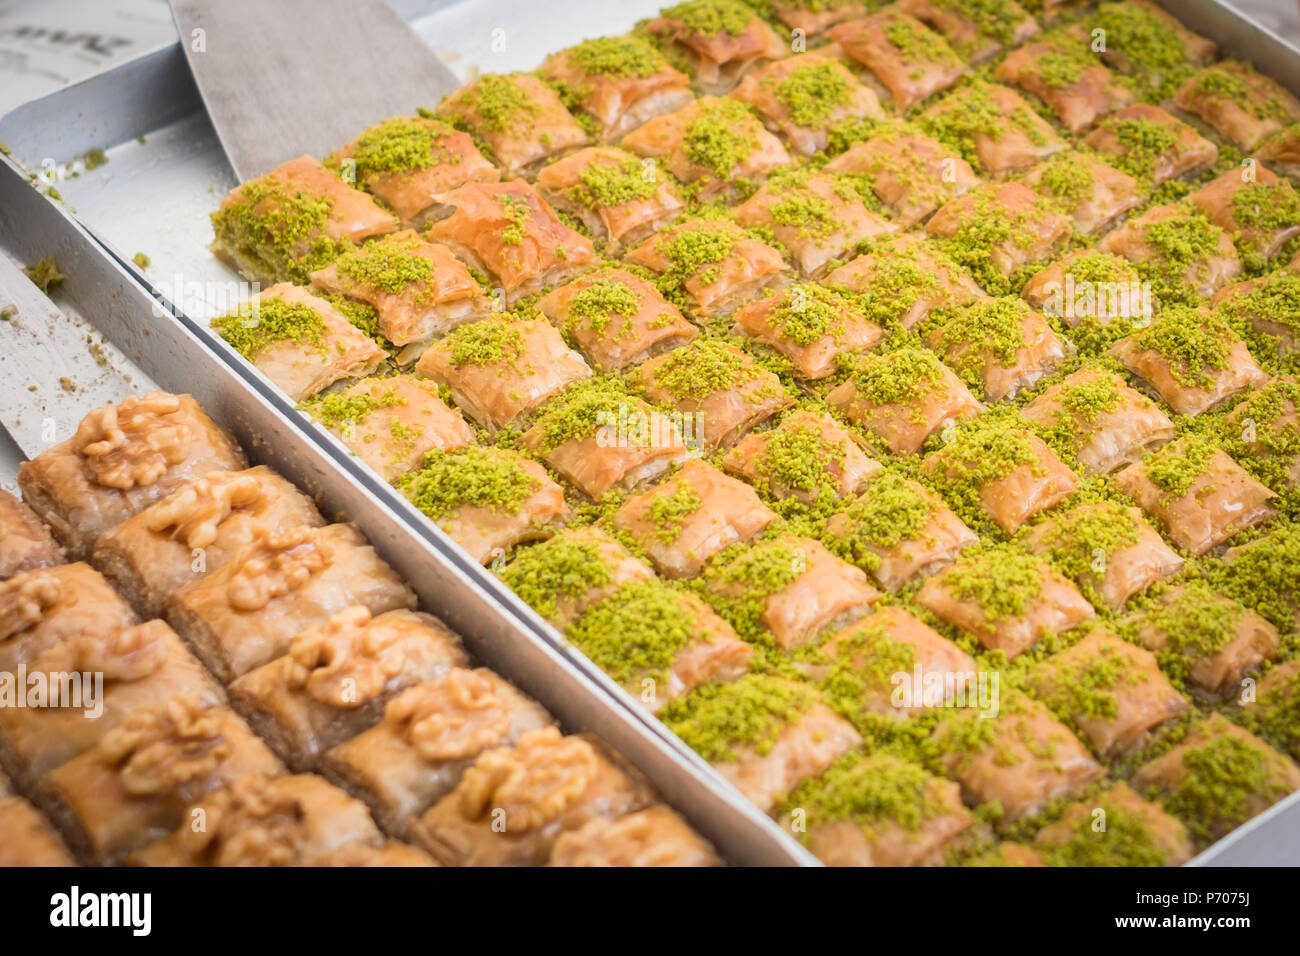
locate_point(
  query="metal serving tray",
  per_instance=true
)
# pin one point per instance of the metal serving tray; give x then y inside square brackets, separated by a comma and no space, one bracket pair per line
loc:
[167,172]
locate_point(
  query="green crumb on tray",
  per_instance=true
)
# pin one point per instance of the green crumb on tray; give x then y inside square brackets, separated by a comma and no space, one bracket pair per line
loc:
[94,158]
[140,139]
[143,261]
[45,275]
[54,194]
[4,148]
[7,313]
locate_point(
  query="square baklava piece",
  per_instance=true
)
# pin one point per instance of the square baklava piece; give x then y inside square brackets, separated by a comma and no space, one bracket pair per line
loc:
[816,328]
[25,541]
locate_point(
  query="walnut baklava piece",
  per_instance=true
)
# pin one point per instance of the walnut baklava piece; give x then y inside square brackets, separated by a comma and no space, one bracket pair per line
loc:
[335,679]
[808,457]
[485,499]
[1178,249]
[992,127]
[721,39]
[1093,193]
[430,733]
[1136,832]
[521,120]
[903,280]
[1062,71]
[1260,210]
[299,341]
[908,58]
[1150,145]
[283,226]
[653,837]
[48,606]
[121,459]
[1242,106]
[816,328]
[195,530]
[247,612]
[25,541]
[26,837]
[511,806]
[1001,346]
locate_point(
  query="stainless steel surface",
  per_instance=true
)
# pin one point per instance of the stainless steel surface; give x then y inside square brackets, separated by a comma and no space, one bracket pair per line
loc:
[154,196]
[258,67]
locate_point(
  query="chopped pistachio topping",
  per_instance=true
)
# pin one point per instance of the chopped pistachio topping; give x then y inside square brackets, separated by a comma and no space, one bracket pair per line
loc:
[1127,840]
[339,408]
[561,567]
[1004,582]
[271,227]
[705,366]
[989,329]
[606,184]
[616,56]
[1177,465]
[250,330]
[577,412]
[473,476]
[710,17]
[637,632]
[1194,344]
[1221,780]
[721,137]
[501,103]
[1144,143]
[716,720]
[876,792]
[400,145]
[1074,539]
[891,511]
[812,93]
[600,301]
[899,377]
[669,511]
[388,264]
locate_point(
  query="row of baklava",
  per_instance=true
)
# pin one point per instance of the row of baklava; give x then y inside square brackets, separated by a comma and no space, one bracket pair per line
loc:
[259,689]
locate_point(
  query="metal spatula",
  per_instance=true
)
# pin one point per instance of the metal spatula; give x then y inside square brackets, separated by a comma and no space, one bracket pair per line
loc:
[289,77]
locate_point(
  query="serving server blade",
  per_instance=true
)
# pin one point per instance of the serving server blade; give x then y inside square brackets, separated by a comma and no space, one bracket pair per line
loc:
[303,76]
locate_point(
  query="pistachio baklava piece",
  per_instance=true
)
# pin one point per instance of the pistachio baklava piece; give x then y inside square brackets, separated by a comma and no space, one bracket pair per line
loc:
[690,516]
[1261,573]
[1259,209]
[905,56]
[502,368]
[391,423]
[1263,434]
[616,318]
[337,676]
[1000,346]
[1005,599]
[25,541]
[992,127]
[618,82]
[1133,832]
[1089,290]
[1062,70]
[1277,707]
[1270,305]
[511,806]
[764,734]
[1150,145]
[121,459]
[816,16]
[520,119]
[195,530]
[1242,106]
[1149,45]
[1178,250]
[485,499]
[44,607]
[299,341]
[720,39]
[653,837]
[903,280]
[248,611]
[1198,495]
[1282,151]
[977,29]
[283,226]
[509,232]
[1092,193]
[430,733]
[410,162]
[816,328]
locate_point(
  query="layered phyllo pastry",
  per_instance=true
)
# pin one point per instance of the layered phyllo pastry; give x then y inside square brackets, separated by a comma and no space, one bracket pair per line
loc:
[1000,346]
[617,196]
[266,821]
[1005,599]
[337,676]
[816,328]
[1257,208]
[808,457]
[410,162]
[992,127]
[904,55]
[137,784]
[509,232]
[787,590]
[709,265]
[816,16]
[858,667]
[520,119]
[1218,778]
[1242,106]
[44,607]
[1062,71]
[616,318]
[718,145]
[299,341]
[1016,762]
[804,97]
[430,733]
[139,666]
[121,459]
[1111,692]
[721,39]
[619,82]
[910,173]
[391,423]
[26,837]
[689,517]
[997,230]
[1198,495]
[195,530]
[563,577]
[658,642]
[418,289]
[764,734]
[502,368]
[1277,705]
[903,280]
[487,500]
[390,853]
[1178,250]
[1191,358]
[903,397]
[511,806]
[877,810]
[1089,289]
[294,220]
[1000,471]
[248,611]
[1136,833]
[977,30]
[1261,433]
[25,541]
[898,530]
[1268,305]
[1150,145]
[1098,421]
[1282,151]
[716,384]
[600,436]
[1149,45]
[653,837]
[1205,639]
[816,217]
[1093,194]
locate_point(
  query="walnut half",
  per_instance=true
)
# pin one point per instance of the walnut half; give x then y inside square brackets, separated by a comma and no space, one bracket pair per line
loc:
[24,602]
[251,822]
[276,564]
[195,512]
[132,444]
[158,749]
[132,653]
[346,662]
[453,716]
[534,782]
